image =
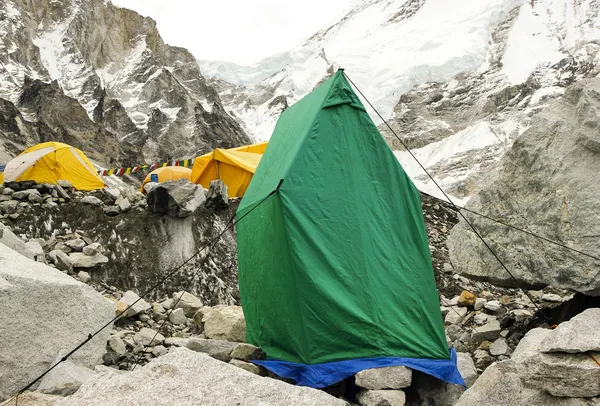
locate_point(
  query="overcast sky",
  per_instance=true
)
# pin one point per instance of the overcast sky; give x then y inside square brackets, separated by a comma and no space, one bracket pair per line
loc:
[241,31]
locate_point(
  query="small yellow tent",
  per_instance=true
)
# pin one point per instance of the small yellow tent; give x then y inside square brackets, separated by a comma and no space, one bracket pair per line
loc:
[235,167]
[168,173]
[50,162]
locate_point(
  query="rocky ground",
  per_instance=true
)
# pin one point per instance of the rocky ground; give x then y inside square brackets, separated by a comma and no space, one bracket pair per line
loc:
[483,323]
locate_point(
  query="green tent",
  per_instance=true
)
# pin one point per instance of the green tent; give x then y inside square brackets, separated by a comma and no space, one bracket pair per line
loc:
[335,264]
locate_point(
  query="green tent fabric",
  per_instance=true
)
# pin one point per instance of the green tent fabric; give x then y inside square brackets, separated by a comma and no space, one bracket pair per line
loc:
[335,264]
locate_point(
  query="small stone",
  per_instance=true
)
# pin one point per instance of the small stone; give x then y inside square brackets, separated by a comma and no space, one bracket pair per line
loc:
[35,247]
[247,352]
[76,244]
[186,301]
[92,249]
[499,347]
[64,184]
[112,193]
[123,203]
[381,398]
[117,345]
[80,260]
[112,210]
[493,305]
[480,303]
[225,323]
[522,313]
[131,297]
[177,316]
[148,337]
[61,260]
[7,191]
[36,198]
[466,299]
[246,366]
[84,276]
[455,315]
[167,304]
[176,342]
[217,349]
[94,201]
[480,318]
[448,268]
[158,308]
[159,350]
[489,331]
[384,378]
[552,297]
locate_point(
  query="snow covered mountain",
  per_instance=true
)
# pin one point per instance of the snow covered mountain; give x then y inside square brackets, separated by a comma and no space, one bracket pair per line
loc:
[457,79]
[101,78]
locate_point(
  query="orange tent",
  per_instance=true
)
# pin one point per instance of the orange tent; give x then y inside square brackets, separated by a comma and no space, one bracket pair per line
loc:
[235,167]
[168,173]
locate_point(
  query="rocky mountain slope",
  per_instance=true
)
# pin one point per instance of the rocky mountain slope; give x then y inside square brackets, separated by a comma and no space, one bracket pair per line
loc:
[101,78]
[547,186]
[457,79]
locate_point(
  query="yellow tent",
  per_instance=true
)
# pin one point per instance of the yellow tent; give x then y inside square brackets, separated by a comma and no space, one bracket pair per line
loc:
[235,167]
[168,173]
[50,162]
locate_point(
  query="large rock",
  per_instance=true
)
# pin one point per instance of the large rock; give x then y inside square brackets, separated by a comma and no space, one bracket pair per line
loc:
[384,378]
[177,198]
[130,298]
[80,260]
[10,240]
[381,398]
[187,378]
[65,379]
[33,399]
[225,323]
[43,312]
[531,378]
[549,186]
[559,374]
[61,260]
[217,196]
[580,334]
[188,302]
[148,337]
[217,349]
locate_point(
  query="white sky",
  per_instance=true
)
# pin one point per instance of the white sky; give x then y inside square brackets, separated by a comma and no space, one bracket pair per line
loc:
[241,31]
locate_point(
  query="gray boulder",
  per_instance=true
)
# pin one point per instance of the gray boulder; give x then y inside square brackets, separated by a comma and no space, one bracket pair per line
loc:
[547,186]
[129,298]
[80,260]
[489,331]
[384,378]
[9,206]
[148,337]
[10,240]
[187,378]
[25,194]
[177,198]
[186,301]
[177,316]
[94,201]
[217,196]
[61,260]
[34,299]
[65,379]
[76,244]
[217,349]
[578,335]
[225,323]
[532,378]
[381,398]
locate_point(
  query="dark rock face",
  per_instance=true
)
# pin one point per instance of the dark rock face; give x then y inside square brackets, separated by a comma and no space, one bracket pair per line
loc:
[546,187]
[142,247]
[106,83]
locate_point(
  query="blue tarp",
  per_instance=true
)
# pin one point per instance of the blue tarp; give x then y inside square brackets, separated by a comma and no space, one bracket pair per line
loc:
[330,373]
[2,168]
